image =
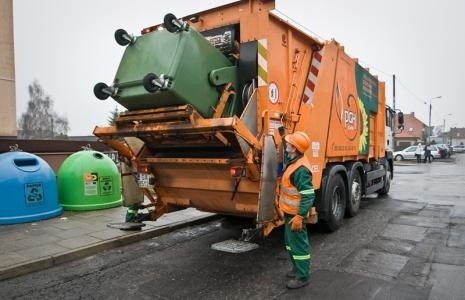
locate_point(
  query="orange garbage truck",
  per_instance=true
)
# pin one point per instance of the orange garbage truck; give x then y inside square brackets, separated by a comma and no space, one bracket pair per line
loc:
[206,95]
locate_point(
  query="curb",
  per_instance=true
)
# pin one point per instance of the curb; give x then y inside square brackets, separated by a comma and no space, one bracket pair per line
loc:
[54,260]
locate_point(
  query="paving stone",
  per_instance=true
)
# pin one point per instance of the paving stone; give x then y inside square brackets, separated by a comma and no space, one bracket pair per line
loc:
[457,220]
[449,255]
[448,282]
[404,232]
[10,259]
[415,272]
[437,211]
[109,233]
[379,264]
[69,233]
[42,251]
[391,246]
[37,240]
[346,286]
[69,224]
[423,250]
[78,242]
[394,205]
[457,236]
[458,211]
[421,221]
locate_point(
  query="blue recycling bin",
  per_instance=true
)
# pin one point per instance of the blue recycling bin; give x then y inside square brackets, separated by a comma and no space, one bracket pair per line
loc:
[28,189]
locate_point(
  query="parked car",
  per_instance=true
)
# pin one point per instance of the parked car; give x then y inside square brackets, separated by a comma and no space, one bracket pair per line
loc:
[409,153]
[459,148]
[444,150]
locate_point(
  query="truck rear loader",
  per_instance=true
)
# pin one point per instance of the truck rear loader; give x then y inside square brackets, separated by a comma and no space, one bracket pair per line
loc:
[205,96]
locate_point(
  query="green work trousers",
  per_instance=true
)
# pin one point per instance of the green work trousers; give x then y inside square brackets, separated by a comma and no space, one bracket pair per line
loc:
[298,247]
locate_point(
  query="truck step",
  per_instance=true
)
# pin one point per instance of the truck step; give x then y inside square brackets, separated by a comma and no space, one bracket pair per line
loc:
[234,246]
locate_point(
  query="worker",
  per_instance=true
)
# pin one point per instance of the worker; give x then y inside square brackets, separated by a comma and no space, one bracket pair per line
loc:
[296,197]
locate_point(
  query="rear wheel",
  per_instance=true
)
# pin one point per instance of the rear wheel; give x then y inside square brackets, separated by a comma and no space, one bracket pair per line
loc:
[336,199]
[399,157]
[387,181]
[355,190]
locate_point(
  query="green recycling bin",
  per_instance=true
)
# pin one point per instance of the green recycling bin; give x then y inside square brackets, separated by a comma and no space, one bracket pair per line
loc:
[192,71]
[89,180]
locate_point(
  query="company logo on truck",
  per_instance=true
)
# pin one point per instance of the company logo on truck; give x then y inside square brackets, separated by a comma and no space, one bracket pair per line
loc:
[347,113]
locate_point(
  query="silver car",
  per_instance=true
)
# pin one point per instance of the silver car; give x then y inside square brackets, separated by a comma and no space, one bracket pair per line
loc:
[409,153]
[459,148]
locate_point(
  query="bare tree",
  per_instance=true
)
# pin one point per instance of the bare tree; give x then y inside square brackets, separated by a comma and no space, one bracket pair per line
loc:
[40,121]
[113,116]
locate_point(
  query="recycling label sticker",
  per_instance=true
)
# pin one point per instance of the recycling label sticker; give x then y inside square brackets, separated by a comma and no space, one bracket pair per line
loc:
[106,185]
[90,184]
[34,194]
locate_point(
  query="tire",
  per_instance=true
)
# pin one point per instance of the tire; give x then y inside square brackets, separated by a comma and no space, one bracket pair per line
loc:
[399,157]
[148,83]
[336,198]
[119,37]
[387,181]
[355,193]
[168,23]
[98,91]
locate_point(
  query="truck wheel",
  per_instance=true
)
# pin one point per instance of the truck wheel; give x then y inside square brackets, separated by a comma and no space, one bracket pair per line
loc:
[98,91]
[336,199]
[355,196]
[387,181]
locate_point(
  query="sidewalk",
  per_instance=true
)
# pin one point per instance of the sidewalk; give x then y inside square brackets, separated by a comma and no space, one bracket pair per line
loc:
[30,247]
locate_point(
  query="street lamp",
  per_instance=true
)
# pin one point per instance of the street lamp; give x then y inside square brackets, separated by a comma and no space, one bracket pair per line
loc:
[444,140]
[429,123]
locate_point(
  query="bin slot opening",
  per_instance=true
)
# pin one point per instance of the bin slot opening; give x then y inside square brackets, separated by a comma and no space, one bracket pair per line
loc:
[25,162]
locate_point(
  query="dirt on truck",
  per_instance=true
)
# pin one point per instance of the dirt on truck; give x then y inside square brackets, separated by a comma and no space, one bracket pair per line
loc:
[205,96]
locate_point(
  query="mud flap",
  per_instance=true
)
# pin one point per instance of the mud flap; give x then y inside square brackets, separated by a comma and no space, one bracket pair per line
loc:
[234,246]
[132,193]
[269,175]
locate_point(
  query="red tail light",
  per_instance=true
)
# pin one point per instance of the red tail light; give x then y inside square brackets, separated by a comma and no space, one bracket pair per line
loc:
[236,171]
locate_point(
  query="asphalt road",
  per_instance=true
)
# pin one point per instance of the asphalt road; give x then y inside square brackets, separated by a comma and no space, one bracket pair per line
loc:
[409,245]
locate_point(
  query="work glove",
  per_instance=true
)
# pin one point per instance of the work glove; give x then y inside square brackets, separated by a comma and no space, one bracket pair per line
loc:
[296,223]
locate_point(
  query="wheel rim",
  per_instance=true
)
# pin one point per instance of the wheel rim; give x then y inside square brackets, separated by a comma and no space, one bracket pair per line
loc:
[336,201]
[356,191]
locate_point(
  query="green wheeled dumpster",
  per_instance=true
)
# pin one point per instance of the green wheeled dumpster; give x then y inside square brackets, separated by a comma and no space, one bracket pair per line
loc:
[89,180]
[165,69]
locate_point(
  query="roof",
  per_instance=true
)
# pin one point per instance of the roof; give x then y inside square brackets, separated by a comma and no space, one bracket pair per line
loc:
[413,127]
[51,146]
[457,133]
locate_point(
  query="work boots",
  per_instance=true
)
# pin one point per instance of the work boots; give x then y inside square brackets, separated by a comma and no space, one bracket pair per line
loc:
[297,283]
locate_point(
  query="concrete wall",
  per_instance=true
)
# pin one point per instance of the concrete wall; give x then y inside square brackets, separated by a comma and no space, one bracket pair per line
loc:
[7,71]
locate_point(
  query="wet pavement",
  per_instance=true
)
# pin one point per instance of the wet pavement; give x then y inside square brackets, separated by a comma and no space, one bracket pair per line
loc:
[409,245]
[38,245]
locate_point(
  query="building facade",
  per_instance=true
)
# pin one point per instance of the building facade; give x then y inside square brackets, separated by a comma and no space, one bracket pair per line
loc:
[415,131]
[7,71]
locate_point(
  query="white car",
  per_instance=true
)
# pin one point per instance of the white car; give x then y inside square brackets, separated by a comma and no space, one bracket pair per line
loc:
[459,148]
[409,153]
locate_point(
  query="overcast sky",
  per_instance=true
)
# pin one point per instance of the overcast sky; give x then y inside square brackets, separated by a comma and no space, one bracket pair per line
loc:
[68,46]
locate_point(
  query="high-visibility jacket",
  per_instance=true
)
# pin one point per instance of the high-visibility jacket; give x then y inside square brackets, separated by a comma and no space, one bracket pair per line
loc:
[289,195]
